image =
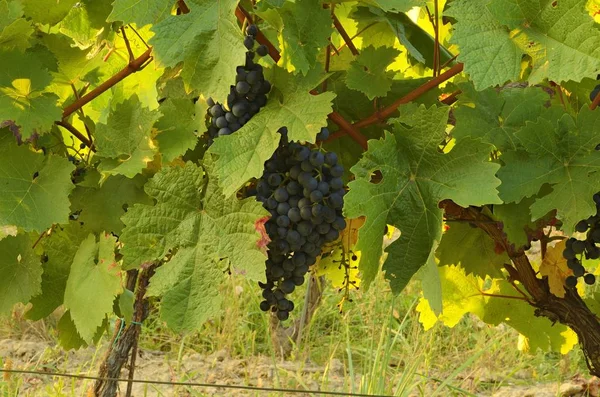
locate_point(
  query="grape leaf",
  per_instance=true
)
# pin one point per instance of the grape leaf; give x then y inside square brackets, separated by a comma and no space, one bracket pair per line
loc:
[395,5]
[191,211]
[495,116]
[559,151]
[124,141]
[35,188]
[176,128]
[416,40]
[416,177]
[68,336]
[48,12]
[210,232]
[431,283]
[15,32]
[140,12]
[86,24]
[516,220]
[493,35]
[101,207]
[367,73]
[554,266]
[304,27]
[93,284]
[241,156]
[60,248]
[473,249]
[207,40]
[22,99]
[540,332]
[461,294]
[188,285]
[20,271]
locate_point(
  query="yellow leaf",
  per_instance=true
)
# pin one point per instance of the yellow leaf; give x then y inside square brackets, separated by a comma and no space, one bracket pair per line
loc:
[554,266]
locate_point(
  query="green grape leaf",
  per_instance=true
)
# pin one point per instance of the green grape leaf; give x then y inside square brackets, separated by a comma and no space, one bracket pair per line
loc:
[242,155]
[22,96]
[495,116]
[188,286]
[126,302]
[304,28]
[367,73]
[93,284]
[192,211]
[124,141]
[210,233]
[208,42]
[20,271]
[395,5]
[416,177]
[516,220]
[176,128]
[74,64]
[100,208]
[86,24]
[140,12]
[559,151]
[417,41]
[48,12]
[431,283]
[472,249]
[15,32]
[68,336]
[493,36]
[60,248]
[35,188]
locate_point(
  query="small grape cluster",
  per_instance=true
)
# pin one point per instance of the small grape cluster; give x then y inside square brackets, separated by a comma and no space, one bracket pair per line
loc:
[590,247]
[245,98]
[303,190]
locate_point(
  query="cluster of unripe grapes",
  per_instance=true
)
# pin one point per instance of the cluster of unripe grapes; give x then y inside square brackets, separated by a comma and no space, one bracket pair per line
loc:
[575,249]
[245,98]
[303,190]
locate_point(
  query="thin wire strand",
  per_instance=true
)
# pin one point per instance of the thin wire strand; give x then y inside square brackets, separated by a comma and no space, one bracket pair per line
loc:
[209,385]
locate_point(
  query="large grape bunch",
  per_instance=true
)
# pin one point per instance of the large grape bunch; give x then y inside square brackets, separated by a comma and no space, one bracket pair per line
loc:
[303,190]
[245,98]
[590,247]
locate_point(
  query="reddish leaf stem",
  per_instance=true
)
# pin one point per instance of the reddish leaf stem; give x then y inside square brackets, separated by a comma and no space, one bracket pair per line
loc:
[132,67]
[349,129]
[596,101]
[340,28]
[411,96]
[69,127]
[242,15]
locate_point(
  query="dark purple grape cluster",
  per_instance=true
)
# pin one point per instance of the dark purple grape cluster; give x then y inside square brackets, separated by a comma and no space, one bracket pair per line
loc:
[245,98]
[590,247]
[303,190]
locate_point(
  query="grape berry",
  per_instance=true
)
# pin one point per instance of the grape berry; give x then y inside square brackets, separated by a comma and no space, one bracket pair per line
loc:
[246,97]
[303,190]
[590,247]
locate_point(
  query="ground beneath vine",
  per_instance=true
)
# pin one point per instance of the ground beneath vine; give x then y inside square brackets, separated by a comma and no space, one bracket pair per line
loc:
[218,368]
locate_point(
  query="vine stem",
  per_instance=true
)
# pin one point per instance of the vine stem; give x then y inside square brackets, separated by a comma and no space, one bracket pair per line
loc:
[595,102]
[69,127]
[411,96]
[569,310]
[134,66]
[242,14]
[340,28]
